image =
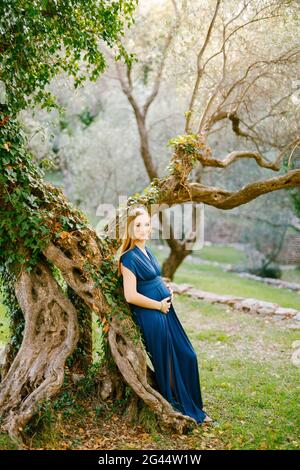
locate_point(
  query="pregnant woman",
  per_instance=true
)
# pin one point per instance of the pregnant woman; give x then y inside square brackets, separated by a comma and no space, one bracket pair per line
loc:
[170,350]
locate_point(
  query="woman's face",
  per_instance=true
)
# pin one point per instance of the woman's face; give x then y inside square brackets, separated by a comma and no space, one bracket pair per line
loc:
[142,227]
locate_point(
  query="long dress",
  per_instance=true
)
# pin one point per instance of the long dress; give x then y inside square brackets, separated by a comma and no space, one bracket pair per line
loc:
[170,350]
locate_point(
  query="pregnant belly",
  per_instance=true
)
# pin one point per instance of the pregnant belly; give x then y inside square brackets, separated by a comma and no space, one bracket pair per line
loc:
[156,290]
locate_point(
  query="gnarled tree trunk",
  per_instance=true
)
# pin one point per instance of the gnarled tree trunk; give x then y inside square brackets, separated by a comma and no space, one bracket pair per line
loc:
[52,333]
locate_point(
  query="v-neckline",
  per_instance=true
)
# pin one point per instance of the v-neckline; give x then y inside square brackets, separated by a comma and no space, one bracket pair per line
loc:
[148,257]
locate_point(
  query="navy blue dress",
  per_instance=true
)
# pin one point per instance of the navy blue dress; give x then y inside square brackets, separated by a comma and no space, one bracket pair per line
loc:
[170,350]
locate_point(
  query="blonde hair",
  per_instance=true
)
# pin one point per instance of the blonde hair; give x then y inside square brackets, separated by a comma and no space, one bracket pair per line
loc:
[128,242]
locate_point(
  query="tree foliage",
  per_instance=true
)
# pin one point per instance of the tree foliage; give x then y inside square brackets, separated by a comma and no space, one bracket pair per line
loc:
[39,39]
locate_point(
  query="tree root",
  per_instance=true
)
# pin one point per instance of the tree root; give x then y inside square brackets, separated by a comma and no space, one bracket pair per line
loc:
[130,358]
[50,336]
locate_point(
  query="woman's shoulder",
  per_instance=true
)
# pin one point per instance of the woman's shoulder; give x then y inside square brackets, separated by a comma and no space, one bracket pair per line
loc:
[128,260]
[128,254]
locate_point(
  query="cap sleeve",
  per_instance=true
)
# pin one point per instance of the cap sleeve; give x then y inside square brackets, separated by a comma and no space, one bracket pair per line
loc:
[128,261]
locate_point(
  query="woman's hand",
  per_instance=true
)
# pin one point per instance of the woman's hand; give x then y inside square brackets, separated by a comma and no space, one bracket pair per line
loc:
[165,305]
[171,291]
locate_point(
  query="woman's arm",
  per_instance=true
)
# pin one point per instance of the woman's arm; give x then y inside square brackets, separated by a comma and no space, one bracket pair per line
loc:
[131,294]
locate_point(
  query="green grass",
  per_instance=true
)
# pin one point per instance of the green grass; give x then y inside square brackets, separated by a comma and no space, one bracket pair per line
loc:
[6,443]
[4,325]
[97,339]
[291,275]
[213,336]
[221,254]
[248,382]
[214,279]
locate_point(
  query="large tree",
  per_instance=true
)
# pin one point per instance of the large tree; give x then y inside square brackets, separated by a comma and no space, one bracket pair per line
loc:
[44,240]
[225,72]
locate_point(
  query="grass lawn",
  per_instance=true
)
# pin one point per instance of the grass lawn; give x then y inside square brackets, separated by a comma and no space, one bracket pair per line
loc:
[249,384]
[213,279]
[222,254]
[291,275]
[4,325]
